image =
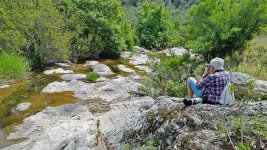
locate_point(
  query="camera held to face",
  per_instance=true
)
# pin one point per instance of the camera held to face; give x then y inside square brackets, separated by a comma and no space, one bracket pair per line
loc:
[207,65]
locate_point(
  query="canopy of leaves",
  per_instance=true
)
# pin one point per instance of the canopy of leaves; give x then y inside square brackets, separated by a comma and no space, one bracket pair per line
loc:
[101,26]
[34,29]
[154,26]
[218,28]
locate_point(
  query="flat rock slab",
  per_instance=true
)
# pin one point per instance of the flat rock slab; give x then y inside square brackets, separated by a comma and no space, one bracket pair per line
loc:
[91,63]
[55,127]
[102,69]
[59,70]
[125,69]
[4,86]
[69,77]
[23,106]
[109,90]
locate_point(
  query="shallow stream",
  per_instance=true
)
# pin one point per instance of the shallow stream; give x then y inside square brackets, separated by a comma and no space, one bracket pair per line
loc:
[30,91]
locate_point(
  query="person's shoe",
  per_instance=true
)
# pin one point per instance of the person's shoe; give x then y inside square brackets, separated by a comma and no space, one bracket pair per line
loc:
[188,102]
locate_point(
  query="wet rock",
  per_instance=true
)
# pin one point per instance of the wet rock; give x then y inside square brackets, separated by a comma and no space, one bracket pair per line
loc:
[102,69]
[125,69]
[144,68]
[63,64]
[69,126]
[23,106]
[91,63]
[59,70]
[4,86]
[125,54]
[73,76]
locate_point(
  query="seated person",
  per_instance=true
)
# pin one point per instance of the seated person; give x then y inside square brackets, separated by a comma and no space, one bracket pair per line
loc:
[210,85]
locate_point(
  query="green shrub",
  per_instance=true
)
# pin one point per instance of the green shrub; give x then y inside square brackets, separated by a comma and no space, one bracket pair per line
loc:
[168,77]
[13,67]
[92,76]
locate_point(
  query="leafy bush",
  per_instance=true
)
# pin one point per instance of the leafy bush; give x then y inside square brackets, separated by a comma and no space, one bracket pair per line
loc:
[92,76]
[154,26]
[99,26]
[13,67]
[168,77]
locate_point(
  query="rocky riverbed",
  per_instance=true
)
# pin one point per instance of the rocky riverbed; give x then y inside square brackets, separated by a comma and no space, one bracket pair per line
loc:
[109,114]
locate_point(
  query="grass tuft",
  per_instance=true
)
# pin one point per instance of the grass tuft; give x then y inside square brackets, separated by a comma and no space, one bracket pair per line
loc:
[13,67]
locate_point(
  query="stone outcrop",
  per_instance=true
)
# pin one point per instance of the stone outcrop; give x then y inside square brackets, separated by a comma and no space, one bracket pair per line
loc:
[240,79]
[130,122]
[72,124]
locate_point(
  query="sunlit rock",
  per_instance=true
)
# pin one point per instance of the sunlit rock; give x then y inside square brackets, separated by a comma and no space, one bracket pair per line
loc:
[59,70]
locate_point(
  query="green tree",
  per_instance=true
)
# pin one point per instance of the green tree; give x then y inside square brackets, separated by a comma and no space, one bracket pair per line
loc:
[218,28]
[100,26]
[34,29]
[154,26]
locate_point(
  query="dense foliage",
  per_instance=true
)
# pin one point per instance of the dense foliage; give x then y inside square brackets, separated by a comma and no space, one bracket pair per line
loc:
[34,29]
[100,27]
[218,28]
[154,26]
[168,76]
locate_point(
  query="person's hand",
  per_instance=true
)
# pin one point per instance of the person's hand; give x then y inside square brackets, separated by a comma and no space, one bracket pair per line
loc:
[206,71]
